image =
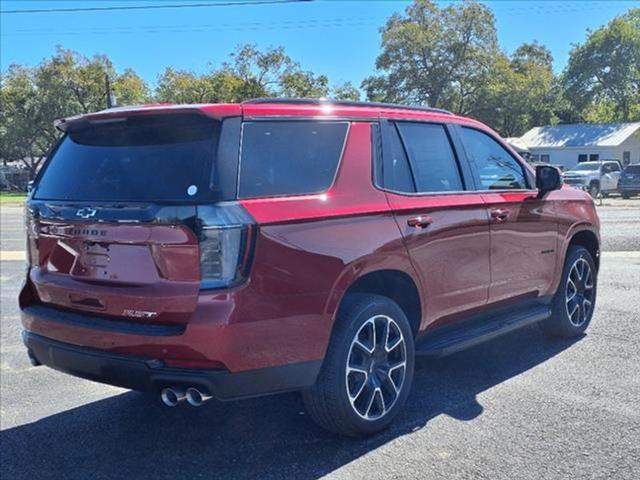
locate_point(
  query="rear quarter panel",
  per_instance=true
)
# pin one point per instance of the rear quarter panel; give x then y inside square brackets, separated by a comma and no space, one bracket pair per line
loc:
[309,250]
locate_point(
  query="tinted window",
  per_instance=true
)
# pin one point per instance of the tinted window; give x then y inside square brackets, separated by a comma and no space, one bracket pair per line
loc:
[432,160]
[497,169]
[396,172]
[291,158]
[632,169]
[165,158]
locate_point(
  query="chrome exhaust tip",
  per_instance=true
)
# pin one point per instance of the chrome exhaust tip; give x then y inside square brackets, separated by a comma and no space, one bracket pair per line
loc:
[172,397]
[195,397]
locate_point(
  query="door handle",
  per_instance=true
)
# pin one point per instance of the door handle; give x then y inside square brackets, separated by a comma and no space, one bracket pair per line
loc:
[421,221]
[499,214]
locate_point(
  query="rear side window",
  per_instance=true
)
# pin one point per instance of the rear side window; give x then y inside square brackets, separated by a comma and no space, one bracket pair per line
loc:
[432,160]
[633,169]
[496,168]
[139,159]
[289,157]
[396,171]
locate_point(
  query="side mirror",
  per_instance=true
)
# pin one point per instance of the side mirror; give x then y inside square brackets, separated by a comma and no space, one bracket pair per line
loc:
[29,186]
[548,178]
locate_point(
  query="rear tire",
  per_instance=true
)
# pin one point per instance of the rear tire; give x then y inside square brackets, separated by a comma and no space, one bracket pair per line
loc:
[368,369]
[626,196]
[575,299]
[594,189]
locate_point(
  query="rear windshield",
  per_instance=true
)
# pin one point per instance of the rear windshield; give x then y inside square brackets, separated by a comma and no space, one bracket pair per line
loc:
[146,158]
[289,157]
[635,169]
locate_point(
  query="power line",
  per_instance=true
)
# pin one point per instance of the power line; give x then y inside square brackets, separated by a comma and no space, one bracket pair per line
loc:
[151,7]
[196,28]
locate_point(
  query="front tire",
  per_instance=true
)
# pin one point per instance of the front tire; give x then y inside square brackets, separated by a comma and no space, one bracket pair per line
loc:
[594,189]
[368,369]
[575,299]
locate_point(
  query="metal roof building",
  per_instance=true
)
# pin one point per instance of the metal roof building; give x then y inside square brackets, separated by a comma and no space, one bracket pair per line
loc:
[572,143]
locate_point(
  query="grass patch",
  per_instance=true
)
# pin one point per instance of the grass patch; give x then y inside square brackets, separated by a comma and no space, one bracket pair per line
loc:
[9,198]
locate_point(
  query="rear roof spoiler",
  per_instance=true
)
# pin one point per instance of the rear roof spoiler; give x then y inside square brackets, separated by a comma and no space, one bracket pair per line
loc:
[117,114]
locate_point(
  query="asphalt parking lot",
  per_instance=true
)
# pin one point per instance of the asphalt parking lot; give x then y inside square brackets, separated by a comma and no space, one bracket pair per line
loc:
[518,407]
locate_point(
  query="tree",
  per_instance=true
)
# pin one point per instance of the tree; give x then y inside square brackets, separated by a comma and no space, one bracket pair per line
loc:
[130,89]
[602,78]
[298,84]
[442,57]
[180,86]
[22,124]
[521,91]
[249,73]
[63,85]
[345,91]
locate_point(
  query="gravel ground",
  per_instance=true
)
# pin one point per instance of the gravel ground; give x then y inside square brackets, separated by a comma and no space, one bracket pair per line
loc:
[517,407]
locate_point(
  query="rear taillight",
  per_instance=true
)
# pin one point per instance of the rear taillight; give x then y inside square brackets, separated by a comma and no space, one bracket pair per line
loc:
[225,233]
[31,234]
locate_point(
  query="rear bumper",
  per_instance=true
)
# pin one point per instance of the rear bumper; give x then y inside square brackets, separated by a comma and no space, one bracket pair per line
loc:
[152,374]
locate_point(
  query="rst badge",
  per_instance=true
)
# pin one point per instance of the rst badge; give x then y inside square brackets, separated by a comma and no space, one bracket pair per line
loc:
[139,314]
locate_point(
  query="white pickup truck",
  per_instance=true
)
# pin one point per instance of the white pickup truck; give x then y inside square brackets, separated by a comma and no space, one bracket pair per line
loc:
[595,177]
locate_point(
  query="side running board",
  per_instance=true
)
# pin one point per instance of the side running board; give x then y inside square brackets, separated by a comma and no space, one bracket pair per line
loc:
[450,339]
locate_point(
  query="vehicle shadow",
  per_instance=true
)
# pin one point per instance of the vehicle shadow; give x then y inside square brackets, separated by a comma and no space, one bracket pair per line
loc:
[133,436]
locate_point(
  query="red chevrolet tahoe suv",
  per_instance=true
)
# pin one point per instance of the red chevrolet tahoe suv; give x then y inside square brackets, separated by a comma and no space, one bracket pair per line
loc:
[234,250]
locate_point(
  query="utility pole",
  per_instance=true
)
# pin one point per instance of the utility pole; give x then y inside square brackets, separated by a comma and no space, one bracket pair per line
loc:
[111,101]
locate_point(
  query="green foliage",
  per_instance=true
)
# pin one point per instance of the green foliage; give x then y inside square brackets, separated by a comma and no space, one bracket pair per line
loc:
[65,84]
[521,92]
[346,91]
[446,57]
[602,78]
[68,84]
[436,56]
[250,73]
[449,58]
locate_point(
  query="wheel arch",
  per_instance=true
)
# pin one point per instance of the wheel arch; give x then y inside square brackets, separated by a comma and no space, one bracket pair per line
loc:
[587,239]
[396,285]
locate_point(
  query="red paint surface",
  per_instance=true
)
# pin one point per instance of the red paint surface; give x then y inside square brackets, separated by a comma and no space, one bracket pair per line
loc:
[309,249]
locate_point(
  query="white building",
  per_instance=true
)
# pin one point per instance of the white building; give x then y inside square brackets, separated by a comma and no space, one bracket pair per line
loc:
[569,144]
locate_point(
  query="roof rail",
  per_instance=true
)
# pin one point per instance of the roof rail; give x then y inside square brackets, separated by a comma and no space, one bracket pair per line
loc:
[344,103]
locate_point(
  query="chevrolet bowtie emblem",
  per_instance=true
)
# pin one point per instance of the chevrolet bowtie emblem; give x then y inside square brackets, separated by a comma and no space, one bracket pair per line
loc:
[86,212]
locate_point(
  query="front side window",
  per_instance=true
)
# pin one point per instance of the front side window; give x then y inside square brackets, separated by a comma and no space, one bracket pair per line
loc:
[431,156]
[289,157]
[496,168]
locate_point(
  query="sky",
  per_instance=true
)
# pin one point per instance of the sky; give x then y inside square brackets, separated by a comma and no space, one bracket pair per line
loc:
[338,38]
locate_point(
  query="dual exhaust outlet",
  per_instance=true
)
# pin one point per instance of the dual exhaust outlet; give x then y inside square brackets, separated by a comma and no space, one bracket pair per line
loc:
[174,396]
